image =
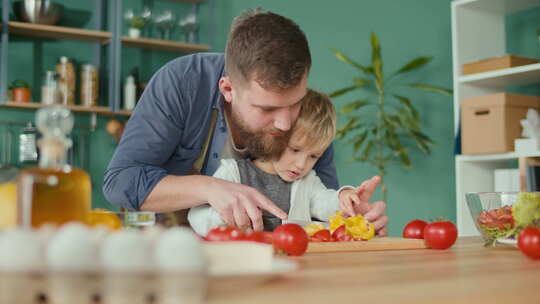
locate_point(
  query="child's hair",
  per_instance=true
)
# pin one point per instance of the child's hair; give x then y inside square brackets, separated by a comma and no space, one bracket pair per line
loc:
[316,123]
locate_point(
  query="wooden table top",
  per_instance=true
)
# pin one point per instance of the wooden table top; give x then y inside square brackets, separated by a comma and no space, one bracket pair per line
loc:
[466,273]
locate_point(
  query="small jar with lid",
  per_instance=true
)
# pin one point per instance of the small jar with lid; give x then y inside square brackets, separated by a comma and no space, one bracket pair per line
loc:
[89,85]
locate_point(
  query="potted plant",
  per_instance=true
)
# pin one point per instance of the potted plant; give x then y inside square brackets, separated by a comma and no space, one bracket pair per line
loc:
[20,91]
[136,21]
[392,124]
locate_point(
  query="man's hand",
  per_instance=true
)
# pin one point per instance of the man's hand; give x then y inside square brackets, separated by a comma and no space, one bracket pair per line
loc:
[373,212]
[240,205]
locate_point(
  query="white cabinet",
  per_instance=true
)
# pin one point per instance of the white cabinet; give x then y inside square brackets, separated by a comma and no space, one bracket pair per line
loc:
[478,32]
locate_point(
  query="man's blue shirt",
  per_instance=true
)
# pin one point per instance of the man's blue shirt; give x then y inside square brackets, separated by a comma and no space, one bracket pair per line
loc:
[168,127]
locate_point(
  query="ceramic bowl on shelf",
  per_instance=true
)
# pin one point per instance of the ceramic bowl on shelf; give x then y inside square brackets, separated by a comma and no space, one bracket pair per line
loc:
[38,11]
[497,215]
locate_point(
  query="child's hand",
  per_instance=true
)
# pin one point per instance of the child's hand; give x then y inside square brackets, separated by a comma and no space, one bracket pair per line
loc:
[347,200]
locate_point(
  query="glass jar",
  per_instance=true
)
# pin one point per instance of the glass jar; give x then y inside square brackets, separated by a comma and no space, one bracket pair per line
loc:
[66,82]
[89,85]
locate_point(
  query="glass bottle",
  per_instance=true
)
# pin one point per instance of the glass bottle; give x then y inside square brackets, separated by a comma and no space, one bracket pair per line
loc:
[8,194]
[50,93]
[66,82]
[27,145]
[53,192]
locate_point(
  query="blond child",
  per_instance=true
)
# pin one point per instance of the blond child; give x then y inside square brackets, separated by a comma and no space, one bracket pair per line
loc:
[289,180]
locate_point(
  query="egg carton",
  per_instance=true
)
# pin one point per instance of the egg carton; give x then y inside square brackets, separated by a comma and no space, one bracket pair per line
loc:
[69,288]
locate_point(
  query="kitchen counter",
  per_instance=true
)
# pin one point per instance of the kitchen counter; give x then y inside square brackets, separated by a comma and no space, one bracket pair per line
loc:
[466,273]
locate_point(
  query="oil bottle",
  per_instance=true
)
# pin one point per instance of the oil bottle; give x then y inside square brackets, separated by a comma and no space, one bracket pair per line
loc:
[53,192]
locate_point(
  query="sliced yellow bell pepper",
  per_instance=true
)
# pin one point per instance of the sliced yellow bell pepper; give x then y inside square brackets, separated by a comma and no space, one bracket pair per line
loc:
[311,229]
[336,221]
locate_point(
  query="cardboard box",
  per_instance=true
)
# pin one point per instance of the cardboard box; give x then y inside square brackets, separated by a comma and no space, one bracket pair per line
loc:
[490,124]
[497,63]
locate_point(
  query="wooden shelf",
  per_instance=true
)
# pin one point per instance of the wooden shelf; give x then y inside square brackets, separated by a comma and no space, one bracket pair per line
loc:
[58,32]
[499,79]
[164,45]
[80,109]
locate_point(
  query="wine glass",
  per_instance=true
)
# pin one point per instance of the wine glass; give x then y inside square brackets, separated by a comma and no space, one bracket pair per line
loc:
[189,26]
[165,23]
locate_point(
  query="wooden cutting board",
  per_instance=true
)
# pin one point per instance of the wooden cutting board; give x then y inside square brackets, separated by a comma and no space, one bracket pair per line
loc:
[375,244]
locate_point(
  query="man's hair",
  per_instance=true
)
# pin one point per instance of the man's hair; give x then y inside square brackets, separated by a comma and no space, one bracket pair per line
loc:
[267,48]
[316,123]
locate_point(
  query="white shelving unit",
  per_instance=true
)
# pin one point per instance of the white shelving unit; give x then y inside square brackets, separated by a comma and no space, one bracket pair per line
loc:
[478,32]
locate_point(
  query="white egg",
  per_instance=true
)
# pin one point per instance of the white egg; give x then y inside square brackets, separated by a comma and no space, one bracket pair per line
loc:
[179,250]
[21,251]
[126,251]
[99,233]
[46,232]
[152,233]
[72,248]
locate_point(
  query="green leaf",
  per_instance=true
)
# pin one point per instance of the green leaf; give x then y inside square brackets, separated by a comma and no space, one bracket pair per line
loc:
[343,91]
[422,141]
[376,60]
[358,143]
[423,136]
[348,60]
[367,152]
[19,83]
[414,64]
[405,160]
[354,106]
[431,88]
[351,124]
[361,81]
[409,122]
[406,101]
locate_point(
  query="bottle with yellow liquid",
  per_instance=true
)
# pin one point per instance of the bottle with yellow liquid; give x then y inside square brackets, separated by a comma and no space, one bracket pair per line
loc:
[53,192]
[8,196]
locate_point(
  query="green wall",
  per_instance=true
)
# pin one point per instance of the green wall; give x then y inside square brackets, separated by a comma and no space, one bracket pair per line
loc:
[413,28]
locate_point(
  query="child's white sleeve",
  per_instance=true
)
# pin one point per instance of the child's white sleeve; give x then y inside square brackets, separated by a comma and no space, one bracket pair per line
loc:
[203,218]
[323,201]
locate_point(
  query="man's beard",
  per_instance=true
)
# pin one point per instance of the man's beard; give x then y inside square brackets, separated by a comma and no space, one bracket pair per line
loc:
[260,144]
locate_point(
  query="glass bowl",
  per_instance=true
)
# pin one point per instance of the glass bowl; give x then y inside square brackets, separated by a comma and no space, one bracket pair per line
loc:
[494,213]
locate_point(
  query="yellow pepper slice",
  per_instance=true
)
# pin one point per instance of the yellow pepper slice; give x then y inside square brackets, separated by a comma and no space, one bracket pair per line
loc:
[311,229]
[358,227]
[336,221]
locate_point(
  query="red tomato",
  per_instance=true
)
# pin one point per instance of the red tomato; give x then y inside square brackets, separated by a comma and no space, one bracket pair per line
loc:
[322,235]
[259,237]
[290,238]
[440,235]
[224,234]
[414,229]
[529,242]
[340,235]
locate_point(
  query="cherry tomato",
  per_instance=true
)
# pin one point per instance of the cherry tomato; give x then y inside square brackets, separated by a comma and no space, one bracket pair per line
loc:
[414,229]
[340,235]
[529,242]
[440,235]
[322,235]
[224,234]
[291,239]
